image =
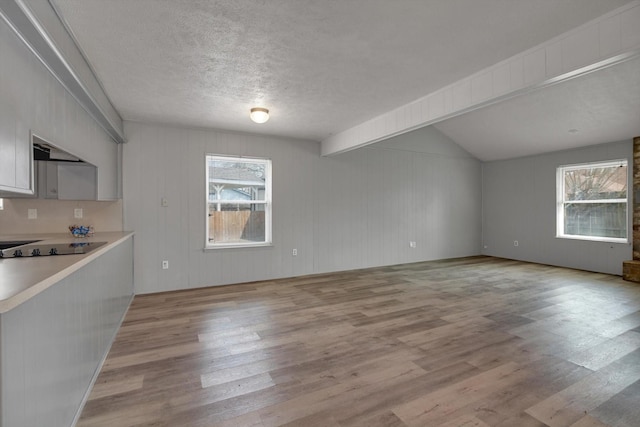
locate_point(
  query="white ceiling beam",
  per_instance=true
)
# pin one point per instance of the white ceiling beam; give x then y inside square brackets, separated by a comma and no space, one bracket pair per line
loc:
[607,40]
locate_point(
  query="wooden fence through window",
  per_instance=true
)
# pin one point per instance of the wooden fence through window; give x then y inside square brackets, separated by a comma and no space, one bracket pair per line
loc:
[236,226]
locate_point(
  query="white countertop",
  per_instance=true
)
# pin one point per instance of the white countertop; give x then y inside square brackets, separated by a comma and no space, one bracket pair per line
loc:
[23,278]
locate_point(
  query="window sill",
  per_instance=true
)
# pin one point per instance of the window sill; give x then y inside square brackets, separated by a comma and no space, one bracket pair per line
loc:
[237,246]
[594,239]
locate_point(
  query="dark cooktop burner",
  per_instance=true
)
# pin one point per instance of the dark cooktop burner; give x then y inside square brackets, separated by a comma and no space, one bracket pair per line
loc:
[35,249]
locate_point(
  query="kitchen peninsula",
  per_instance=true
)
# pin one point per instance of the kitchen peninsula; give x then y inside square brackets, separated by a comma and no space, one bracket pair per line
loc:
[58,317]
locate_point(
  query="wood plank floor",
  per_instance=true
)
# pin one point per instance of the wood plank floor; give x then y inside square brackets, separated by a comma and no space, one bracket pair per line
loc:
[467,342]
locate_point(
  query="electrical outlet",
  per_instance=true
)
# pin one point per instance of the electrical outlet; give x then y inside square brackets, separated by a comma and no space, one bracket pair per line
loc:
[164,202]
[412,244]
[165,265]
[32,214]
[77,213]
[515,243]
[294,252]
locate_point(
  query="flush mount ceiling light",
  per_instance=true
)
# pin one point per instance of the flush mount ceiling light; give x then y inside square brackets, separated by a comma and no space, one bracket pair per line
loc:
[259,115]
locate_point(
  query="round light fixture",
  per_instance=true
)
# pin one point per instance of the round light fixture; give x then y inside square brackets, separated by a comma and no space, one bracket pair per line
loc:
[259,115]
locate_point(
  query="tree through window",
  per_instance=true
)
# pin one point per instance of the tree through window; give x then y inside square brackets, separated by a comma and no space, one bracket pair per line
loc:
[592,201]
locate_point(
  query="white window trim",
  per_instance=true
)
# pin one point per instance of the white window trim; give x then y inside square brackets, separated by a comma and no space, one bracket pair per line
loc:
[267,202]
[560,201]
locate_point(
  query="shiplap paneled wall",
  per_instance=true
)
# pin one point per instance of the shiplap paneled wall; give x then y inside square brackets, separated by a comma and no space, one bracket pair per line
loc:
[351,211]
[593,44]
[32,99]
[519,203]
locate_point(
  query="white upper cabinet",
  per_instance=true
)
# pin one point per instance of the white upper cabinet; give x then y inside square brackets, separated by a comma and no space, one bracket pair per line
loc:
[66,181]
[16,161]
[32,100]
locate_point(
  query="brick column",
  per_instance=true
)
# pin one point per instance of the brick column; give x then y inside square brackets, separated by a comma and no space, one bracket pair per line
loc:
[631,269]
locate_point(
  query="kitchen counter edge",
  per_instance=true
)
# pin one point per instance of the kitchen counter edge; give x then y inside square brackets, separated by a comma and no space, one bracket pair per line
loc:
[54,275]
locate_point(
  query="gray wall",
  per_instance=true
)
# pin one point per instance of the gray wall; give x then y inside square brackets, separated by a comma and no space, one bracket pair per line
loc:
[519,203]
[355,210]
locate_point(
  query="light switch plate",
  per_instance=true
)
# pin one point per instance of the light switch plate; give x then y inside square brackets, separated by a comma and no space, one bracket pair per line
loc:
[32,214]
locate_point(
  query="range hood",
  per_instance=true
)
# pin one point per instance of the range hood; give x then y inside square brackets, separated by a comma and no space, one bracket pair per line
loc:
[44,151]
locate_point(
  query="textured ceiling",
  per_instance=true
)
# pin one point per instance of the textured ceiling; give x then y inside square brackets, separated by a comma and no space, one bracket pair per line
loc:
[320,66]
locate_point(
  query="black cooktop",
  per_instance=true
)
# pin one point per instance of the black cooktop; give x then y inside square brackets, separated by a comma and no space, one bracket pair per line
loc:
[37,249]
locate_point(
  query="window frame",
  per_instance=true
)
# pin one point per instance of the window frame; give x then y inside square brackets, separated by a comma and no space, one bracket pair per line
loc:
[560,200]
[267,202]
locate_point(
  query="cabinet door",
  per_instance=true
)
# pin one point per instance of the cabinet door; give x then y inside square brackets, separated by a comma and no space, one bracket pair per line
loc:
[24,159]
[7,148]
[47,180]
[16,173]
[16,157]
[76,181]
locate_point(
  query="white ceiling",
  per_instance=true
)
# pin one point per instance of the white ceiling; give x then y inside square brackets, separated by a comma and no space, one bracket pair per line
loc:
[323,66]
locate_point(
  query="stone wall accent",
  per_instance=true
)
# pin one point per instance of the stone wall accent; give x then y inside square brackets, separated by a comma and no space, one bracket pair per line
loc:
[631,269]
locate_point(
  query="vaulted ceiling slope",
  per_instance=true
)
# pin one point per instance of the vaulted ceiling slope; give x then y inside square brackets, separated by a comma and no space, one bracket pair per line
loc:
[593,109]
[321,67]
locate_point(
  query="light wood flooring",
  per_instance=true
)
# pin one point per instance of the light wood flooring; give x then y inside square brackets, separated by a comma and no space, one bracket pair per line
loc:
[467,342]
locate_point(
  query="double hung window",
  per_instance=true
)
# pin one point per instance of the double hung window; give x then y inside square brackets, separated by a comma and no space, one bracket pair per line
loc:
[238,201]
[592,201]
